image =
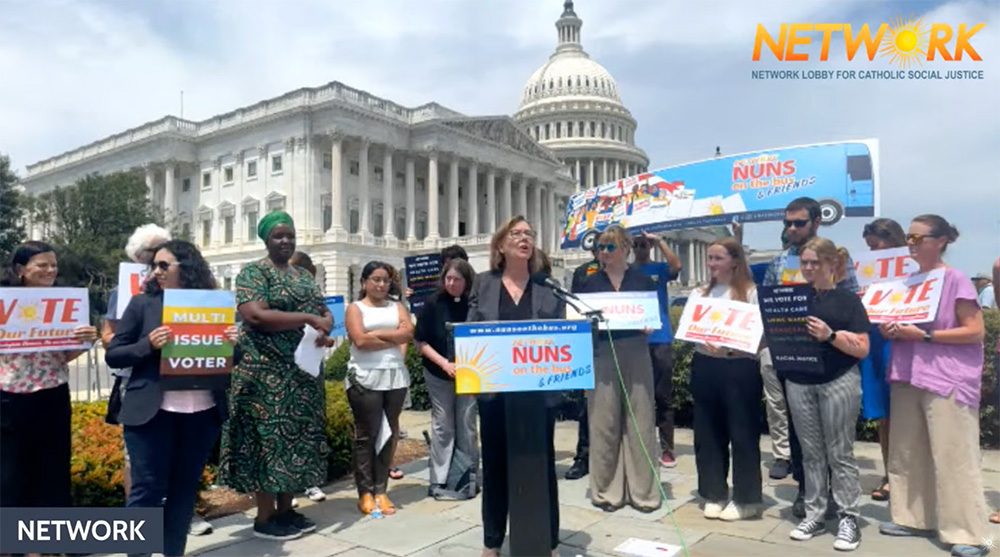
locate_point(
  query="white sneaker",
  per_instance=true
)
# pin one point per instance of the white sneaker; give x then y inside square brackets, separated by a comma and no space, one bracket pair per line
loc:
[315,494]
[199,526]
[734,512]
[295,503]
[713,509]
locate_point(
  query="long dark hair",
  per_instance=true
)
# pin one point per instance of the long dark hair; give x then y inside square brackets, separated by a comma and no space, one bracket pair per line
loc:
[373,266]
[22,254]
[194,270]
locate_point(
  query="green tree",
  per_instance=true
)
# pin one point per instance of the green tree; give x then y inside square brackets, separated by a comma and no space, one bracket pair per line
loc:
[12,208]
[90,223]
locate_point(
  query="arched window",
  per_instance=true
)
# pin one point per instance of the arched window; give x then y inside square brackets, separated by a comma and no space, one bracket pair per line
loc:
[588,81]
[620,136]
[577,81]
[547,130]
[558,130]
[593,129]
[604,131]
[560,83]
[569,129]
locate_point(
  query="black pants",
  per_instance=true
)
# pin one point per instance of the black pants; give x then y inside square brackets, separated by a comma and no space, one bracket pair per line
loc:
[371,471]
[663,393]
[35,448]
[727,395]
[492,428]
[168,455]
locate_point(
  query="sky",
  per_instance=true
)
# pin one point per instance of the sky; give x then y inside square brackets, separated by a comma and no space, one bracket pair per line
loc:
[79,70]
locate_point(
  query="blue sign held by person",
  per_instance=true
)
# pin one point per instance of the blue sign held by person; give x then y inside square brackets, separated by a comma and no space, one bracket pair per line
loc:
[338,309]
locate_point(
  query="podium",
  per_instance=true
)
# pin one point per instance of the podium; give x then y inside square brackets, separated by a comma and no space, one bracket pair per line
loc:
[525,362]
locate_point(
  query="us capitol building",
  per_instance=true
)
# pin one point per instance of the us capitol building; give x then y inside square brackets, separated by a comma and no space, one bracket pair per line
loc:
[365,178]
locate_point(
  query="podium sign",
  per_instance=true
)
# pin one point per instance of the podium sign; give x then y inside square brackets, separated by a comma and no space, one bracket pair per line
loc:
[520,356]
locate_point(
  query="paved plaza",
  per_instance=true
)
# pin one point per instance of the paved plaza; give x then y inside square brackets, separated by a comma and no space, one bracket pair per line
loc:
[424,527]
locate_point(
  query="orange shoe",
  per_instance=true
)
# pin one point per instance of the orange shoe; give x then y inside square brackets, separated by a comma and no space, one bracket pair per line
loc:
[385,504]
[366,504]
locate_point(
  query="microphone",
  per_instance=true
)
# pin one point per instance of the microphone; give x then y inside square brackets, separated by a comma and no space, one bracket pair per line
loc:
[547,281]
[570,298]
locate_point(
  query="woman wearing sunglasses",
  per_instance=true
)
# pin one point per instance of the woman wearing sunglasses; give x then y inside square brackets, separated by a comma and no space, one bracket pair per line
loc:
[620,470]
[34,401]
[936,376]
[169,433]
[879,234]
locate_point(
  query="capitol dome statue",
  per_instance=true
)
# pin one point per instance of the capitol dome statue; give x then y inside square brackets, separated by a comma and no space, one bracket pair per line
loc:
[572,105]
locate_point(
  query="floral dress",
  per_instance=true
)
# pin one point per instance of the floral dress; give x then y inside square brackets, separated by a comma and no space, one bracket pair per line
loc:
[274,440]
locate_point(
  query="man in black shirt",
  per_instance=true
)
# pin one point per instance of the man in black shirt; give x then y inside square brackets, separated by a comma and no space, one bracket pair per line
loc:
[581,462]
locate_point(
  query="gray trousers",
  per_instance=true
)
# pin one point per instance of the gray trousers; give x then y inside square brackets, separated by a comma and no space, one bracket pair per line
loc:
[826,418]
[453,425]
[777,412]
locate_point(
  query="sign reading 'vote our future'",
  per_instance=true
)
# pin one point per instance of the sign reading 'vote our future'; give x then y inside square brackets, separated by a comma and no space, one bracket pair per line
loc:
[722,322]
[197,356]
[914,299]
[42,319]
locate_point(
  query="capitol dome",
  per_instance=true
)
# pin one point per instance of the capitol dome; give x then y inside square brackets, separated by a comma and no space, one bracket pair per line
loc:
[573,106]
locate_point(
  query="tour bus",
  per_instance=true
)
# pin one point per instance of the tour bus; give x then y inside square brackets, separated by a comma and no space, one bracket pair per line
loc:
[751,187]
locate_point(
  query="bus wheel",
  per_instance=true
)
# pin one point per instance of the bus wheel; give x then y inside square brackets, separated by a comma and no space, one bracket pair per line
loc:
[588,240]
[830,211]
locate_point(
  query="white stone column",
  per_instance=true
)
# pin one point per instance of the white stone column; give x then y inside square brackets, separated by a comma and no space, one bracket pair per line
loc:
[454,207]
[472,200]
[693,266]
[604,172]
[388,204]
[704,261]
[169,192]
[618,170]
[433,226]
[364,203]
[491,201]
[505,198]
[411,199]
[336,182]
[551,225]
[149,183]
[536,205]
[593,177]
[522,197]
[577,175]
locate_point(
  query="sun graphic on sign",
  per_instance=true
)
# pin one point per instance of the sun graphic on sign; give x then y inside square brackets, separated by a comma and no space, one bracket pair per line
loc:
[868,271]
[715,208]
[473,372]
[29,313]
[715,316]
[896,297]
[906,41]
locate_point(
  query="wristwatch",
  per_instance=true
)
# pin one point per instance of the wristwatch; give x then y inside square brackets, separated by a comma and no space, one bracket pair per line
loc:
[833,336]
[928,337]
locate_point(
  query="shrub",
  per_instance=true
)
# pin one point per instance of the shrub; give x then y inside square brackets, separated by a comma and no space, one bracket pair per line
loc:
[339,431]
[98,459]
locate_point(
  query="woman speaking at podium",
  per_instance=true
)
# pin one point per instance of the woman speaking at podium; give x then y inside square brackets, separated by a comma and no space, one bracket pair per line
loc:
[506,293]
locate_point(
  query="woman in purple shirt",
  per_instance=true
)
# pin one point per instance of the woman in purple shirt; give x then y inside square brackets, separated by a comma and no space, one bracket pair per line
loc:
[936,375]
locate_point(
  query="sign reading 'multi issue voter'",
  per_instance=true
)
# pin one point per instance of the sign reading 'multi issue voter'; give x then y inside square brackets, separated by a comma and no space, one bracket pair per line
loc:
[42,319]
[197,355]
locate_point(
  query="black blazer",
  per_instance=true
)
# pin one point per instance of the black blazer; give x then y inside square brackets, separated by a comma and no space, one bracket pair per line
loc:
[130,347]
[484,305]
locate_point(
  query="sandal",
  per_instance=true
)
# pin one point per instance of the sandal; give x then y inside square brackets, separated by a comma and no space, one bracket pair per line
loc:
[995,517]
[385,504]
[395,473]
[366,504]
[882,493]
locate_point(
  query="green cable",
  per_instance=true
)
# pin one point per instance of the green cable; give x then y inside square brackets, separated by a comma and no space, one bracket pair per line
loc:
[635,425]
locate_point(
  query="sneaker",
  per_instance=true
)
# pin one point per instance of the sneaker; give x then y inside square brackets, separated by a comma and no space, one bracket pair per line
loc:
[275,530]
[848,534]
[295,503]
[780,469]
[579,469]
[968,550]
[315,494]
[799,506]
[713,509]
[734,512]
[199,526]
[296,520]
[667,460]
[807,529]
[898,530]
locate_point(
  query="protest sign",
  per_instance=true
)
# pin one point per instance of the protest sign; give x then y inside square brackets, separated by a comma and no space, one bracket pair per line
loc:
[785,311]
[722,322]
[622,310]
[131,277]
[423,275]
[523,356]
[883,265]
[197,355]
[914,299]
[42,319]
[338,309]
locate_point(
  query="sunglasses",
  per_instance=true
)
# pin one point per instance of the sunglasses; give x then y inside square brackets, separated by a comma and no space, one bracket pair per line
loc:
[163,265]
[610,248]
[917,239]
[797,223]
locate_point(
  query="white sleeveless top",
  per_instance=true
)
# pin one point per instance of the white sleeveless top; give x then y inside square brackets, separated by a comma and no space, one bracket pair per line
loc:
[378,370]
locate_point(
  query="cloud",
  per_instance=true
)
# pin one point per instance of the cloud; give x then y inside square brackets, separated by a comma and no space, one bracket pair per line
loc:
[86,69]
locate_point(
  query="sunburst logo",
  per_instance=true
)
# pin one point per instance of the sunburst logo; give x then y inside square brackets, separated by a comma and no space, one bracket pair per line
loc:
[906,42]
[29,313]
[715,316]
[474,372]
[715,208]
[868,271]
[896,297]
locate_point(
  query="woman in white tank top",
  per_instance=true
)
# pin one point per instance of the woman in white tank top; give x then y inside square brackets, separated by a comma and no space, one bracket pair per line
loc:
[377,379]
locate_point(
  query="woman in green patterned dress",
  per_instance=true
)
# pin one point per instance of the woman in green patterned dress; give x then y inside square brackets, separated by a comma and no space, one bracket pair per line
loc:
[274,443]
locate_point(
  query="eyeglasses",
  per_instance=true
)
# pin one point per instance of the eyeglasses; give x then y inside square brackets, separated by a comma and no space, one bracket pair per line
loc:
[164,265]
[610,248]
[797,223]
[521,233]
[917,239]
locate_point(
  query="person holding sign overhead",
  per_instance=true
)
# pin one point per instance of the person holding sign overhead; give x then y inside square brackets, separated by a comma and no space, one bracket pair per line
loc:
[620,470]
[936,376]
[35,400]
[377,379]
[824,405]
[169,433]
[274,443]
[727,389]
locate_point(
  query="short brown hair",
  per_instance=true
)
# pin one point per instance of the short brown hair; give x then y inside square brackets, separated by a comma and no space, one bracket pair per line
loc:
[888,230]
[616,234]
[940,228]
[497,261]
[463,268]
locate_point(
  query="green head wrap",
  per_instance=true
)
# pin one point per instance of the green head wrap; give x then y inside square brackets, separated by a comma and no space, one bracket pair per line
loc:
[271,220]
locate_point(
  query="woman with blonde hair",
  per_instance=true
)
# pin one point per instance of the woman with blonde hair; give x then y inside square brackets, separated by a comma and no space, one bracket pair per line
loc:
[507,293]
[620,470]
[824,403]
[727,391]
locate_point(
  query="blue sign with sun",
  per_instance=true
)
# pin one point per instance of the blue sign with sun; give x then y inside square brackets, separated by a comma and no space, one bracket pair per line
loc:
[518,356]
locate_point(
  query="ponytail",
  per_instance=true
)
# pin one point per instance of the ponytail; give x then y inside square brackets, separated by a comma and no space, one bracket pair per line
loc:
[840,270]
[940,228]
